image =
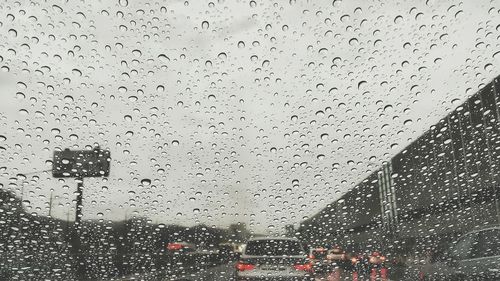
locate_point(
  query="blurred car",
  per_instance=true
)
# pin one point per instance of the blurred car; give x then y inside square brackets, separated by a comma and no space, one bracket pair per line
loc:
[337,256]
[339,264]
[318,257]
[273,259]
[181,247]
[370,266]
[228,251]
[475,256]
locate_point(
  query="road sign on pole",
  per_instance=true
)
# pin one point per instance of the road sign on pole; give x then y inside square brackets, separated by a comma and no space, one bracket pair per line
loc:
[80,164]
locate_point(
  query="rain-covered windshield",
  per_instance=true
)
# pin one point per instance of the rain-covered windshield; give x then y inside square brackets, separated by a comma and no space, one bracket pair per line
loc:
[155,139]
[274,248]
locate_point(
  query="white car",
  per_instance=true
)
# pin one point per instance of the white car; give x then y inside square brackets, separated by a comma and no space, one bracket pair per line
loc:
[273,259]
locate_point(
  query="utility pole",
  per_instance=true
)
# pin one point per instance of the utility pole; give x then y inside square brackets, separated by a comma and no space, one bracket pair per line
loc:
[50,205]
[67,221]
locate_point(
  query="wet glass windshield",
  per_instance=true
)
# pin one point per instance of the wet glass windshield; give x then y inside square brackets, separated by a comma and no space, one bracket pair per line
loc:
[274,248]
[155,139]
[319,254]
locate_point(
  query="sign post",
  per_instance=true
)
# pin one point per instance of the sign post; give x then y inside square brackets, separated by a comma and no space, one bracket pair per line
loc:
[80,164]
[79,199]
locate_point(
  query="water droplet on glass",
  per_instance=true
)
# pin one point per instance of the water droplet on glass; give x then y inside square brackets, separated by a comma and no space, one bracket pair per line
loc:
[353,41]
[495,55]
[12,32]
[137,53]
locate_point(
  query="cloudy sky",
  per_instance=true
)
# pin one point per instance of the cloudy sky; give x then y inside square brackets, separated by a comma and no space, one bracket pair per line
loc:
[225,111]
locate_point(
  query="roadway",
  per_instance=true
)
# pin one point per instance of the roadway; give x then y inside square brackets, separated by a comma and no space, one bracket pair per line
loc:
[223,273]
[219,273]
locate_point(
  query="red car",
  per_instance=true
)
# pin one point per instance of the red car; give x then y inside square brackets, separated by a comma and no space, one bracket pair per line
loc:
[371,266]
[181,247]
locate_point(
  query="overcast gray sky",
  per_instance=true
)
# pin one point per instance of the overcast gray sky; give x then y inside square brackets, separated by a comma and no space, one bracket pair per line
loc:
[260,111]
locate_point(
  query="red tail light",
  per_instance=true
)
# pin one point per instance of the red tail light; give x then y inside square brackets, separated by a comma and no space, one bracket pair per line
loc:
[241,266]
[174,246]
[304,267]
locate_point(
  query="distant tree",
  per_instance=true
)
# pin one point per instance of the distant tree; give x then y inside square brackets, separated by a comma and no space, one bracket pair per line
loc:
[238,232]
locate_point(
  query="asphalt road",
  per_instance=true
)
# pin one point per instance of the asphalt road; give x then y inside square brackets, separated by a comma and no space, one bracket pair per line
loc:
[224,273]
[219,273]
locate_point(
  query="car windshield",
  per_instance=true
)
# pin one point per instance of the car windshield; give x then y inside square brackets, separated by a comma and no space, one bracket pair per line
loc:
[138,136]
[319,254]
[274,248]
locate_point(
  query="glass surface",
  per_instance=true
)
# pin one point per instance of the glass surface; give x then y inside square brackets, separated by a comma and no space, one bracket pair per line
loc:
[462,250]
[152,140]
[488,244]
[319,255]
[274,248]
